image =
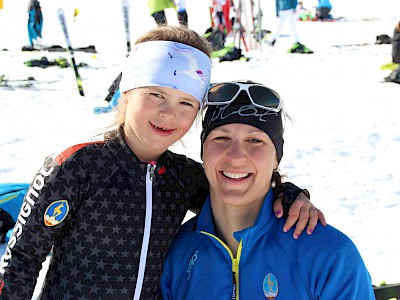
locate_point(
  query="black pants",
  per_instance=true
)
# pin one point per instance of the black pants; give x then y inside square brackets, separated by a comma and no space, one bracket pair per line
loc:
[220,17]
[396,46]
[183,18]
[160,18]
[322,13]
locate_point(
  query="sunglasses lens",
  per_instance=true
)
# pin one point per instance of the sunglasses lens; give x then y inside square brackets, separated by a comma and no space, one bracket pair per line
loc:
[264,96]
[222,92]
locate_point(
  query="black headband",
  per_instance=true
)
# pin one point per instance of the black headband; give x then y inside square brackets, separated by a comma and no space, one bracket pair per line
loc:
[245,113]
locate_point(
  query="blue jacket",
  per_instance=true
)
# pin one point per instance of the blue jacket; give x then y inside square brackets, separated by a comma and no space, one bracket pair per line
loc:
[285,5]
[324,3]
[35,21]
[325,265]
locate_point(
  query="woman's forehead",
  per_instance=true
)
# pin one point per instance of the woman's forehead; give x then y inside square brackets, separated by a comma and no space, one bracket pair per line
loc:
[238,126]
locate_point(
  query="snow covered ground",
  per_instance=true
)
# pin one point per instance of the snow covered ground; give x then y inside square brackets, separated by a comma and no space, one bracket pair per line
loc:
[343,145]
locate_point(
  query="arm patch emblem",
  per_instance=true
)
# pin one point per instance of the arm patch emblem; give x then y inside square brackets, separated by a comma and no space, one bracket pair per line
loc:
[56,212]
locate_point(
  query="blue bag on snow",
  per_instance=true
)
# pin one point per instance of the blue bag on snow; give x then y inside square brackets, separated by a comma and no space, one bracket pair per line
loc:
[11,197]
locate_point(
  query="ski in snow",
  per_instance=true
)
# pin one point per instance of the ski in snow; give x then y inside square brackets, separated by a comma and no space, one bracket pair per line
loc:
[125,13]
[113,88]
[61,18]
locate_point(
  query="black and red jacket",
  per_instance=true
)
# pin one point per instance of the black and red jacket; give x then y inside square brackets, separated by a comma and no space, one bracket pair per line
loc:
[106,218]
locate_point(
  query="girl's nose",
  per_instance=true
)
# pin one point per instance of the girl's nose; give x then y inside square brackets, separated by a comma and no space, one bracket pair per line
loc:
[166,111]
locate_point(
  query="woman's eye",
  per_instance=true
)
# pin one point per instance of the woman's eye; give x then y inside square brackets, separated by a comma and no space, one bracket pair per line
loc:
[221,138]
[187,103]
[254,141]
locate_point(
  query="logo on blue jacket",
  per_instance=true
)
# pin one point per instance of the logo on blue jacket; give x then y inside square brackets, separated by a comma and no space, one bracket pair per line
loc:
[56,212]
[191,264]
[270,286]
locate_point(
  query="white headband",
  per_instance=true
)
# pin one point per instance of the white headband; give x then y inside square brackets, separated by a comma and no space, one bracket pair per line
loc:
[168,64]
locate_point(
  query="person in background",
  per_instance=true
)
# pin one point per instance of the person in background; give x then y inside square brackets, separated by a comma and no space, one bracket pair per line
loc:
[304,13]
[323,9]
[286,11]
[235,248]
[107,208]
[35,23]
[396,44]
[157,10]
[394,65]
[182,13]
[227,9]
[218,14]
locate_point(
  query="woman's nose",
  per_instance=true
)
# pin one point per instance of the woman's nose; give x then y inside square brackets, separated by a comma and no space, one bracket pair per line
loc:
[237,151]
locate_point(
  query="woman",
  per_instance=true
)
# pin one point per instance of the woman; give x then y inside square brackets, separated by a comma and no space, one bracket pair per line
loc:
[235,249]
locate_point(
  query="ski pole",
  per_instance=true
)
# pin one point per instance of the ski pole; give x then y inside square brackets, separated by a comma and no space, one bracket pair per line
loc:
[61,18]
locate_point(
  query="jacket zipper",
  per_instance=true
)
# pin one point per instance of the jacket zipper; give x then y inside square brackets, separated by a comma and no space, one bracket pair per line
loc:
[235,264]
[147,227]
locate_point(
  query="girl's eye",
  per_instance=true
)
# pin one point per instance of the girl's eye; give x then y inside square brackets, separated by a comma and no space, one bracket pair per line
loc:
[157,95]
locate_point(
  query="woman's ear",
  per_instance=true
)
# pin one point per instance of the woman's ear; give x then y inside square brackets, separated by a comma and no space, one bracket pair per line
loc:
[276,165]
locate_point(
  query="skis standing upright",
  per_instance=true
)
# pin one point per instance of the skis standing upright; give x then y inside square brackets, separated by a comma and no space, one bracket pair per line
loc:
[61,18]
[259,25]
[238,27]
[125,13]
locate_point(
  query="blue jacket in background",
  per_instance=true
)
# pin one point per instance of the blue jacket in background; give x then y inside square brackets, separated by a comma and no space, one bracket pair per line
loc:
[325,265]
[35,21]
[324,3]
[285,5]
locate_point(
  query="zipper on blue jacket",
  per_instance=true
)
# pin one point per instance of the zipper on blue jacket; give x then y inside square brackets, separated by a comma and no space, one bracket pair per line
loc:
[235,264]
[147,228]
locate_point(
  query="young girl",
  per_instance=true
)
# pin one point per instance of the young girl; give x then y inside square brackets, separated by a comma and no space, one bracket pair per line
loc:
[108,208]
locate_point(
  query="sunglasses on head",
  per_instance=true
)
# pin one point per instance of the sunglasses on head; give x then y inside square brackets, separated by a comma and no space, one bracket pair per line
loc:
[259,95]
